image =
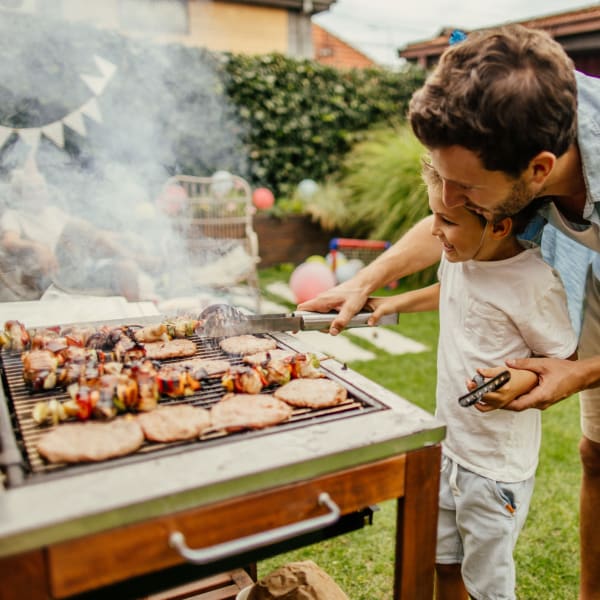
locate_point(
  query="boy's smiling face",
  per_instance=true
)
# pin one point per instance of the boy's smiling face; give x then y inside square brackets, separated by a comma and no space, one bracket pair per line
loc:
[460,231]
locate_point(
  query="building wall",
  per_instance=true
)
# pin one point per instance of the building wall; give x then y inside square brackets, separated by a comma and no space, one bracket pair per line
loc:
[590,65]
[218,26]
[102,14]
[237,28]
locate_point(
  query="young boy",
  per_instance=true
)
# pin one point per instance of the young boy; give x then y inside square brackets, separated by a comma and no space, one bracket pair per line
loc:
[497,299]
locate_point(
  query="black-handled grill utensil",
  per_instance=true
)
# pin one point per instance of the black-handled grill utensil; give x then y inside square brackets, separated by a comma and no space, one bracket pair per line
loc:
[483,387]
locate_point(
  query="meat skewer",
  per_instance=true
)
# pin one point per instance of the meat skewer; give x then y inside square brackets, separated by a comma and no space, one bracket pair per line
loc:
[17,338]
[244,379]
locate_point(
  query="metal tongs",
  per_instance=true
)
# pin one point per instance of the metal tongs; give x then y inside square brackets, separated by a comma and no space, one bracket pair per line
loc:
[220,320]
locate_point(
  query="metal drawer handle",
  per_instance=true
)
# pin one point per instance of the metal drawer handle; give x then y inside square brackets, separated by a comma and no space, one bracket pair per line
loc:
[257,540]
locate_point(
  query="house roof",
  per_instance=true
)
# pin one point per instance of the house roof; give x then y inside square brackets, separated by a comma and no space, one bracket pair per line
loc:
[331,50]
[582,23]
[310,7]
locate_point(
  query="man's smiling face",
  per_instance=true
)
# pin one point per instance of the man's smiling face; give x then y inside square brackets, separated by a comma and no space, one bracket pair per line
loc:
[467,183]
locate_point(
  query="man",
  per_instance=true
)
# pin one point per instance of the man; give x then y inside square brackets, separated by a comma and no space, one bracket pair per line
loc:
[507,121]
[51,246]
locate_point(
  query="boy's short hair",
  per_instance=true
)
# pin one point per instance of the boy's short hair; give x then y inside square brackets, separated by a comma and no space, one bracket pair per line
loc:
[506,94]
[430,176]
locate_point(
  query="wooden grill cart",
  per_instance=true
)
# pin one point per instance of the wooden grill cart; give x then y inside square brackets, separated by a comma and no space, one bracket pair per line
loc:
[136,526]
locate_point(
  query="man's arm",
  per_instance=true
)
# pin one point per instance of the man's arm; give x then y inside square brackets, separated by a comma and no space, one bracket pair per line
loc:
[558,379]
[523,382]
[415,251]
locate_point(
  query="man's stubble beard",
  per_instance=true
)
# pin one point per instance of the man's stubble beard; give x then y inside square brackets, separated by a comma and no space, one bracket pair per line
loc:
[517,199]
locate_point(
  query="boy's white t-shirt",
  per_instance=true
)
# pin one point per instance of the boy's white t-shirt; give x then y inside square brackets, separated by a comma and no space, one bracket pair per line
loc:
[491,311]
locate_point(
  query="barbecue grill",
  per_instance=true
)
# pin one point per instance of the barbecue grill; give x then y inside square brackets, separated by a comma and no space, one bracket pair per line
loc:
[217,502]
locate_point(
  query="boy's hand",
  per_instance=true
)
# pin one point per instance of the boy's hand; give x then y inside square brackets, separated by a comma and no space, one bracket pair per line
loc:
[521,381]
[380,306]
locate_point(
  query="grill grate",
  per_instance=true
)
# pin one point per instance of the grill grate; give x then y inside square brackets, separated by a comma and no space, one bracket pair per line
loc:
[27,433]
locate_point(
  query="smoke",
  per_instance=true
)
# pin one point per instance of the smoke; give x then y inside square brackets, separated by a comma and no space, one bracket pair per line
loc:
[130,114]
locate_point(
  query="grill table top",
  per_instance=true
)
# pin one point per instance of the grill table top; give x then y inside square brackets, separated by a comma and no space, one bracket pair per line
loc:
[57,510]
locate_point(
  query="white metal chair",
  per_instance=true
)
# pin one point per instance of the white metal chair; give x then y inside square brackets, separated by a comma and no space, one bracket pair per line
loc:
[216,218]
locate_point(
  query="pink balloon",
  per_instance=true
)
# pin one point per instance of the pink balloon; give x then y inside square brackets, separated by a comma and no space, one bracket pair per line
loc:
[310,279]
[172,199]
[263,198]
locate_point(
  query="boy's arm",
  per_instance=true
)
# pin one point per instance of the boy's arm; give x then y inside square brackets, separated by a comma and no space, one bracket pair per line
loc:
[414,251]
[420,300]
[521,382]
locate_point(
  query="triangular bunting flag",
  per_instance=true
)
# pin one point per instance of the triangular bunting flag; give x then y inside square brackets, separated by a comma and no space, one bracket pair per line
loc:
[96,84]
[54,132]
[4,134]
[92,110]
[31,136]
[106,67]
[75,122]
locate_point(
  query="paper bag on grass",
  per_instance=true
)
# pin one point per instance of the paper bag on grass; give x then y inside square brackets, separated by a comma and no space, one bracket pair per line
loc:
[302,580]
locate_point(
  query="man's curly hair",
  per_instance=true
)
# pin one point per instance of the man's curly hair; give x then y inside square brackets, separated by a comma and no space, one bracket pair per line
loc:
[506,94]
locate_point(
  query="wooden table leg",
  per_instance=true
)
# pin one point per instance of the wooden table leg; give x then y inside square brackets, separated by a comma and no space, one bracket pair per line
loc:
[24,576]
[416,527]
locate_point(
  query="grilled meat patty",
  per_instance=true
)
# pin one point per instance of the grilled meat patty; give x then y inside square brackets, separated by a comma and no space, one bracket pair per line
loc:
[205,367]
[90,442]
[179,348]
[311,393]
[247,344]
[260,357]
[248,411]
[174,423]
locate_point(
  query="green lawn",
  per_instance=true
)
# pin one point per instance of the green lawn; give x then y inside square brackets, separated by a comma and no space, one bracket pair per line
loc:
[547,551]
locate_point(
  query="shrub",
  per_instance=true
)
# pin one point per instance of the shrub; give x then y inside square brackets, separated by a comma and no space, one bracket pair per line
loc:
[378,193]
[301,118]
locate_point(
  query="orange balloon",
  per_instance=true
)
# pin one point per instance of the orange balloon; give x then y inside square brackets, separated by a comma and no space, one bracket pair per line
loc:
[263,198]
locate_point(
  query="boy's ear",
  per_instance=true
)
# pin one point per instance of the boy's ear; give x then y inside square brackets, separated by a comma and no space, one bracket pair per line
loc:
[502,228]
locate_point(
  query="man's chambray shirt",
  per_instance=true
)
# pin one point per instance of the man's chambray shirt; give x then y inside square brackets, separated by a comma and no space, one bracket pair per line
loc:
[571,258]
[588,138]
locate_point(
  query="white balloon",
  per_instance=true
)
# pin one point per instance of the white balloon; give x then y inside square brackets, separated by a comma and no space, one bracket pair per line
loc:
[222,183]
[340,258]
[356,263]
[307,188]
[348,270]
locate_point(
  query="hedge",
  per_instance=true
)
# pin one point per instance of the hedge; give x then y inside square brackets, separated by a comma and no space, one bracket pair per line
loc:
[302,117]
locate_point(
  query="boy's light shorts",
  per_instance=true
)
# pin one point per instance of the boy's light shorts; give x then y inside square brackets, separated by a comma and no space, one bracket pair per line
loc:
[478,526]
[589,345]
